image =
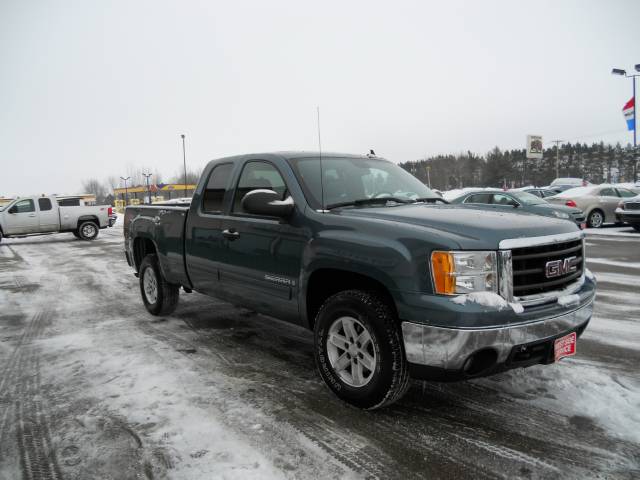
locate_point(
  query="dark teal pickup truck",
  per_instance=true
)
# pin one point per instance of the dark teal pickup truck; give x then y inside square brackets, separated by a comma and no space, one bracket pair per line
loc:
[394,282]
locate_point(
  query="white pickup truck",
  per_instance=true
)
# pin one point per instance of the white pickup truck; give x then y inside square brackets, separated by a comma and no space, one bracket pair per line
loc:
[39,215]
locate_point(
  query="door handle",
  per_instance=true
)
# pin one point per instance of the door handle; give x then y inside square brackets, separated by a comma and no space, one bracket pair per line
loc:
[32,214]
[231,233]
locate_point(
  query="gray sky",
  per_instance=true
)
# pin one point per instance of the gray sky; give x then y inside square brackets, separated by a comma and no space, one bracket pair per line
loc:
[91,89]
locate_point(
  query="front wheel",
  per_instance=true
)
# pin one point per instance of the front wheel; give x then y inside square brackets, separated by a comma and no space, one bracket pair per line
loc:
[88,230]
[359,350]
[159,296]
[595,219]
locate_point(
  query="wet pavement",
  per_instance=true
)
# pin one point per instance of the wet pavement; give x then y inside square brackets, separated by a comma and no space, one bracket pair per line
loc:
[91,386]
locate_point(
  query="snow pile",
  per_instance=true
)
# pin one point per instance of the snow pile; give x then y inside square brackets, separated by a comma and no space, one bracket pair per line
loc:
[487,299]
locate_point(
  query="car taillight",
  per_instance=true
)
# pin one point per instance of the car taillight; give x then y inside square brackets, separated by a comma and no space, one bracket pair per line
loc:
[570,203]
[110,211]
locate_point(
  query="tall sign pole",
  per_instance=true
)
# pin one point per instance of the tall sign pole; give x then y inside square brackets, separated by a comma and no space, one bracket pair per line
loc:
[622,72]
[184,161]
[557,142]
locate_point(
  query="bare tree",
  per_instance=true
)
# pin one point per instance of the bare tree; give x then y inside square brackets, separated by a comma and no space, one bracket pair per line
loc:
[94,187]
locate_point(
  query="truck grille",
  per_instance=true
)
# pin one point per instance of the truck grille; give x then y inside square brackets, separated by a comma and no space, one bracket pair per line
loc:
[530,275]
[632,206]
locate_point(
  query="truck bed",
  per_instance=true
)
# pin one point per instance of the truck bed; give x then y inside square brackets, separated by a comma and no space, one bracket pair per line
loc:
[164,227]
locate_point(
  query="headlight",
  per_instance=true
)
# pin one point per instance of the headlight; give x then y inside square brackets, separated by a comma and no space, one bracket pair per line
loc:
[464,272]
[560,214]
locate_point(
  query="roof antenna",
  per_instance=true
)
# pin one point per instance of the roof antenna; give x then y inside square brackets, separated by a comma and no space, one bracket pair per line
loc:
[322,210]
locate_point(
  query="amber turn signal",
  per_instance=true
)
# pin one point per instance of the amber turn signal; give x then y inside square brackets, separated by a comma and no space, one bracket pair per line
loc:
[442,265]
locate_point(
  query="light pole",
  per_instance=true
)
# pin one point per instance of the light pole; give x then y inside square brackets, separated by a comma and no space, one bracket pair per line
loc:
[619,71]
[146,176]
[184,161]
[557,142]
[126,192]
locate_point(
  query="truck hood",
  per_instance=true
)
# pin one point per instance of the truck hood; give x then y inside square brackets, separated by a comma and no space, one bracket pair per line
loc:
[470,227]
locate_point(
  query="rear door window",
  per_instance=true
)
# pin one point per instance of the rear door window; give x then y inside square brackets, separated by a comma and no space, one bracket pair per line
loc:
[479,198]
[44,204]
[607,192]
[213,197]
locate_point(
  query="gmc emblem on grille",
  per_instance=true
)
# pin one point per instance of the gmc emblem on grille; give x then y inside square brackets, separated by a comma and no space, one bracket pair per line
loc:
[556,268]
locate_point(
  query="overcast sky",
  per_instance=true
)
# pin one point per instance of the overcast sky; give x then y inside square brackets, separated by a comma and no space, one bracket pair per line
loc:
[95,88]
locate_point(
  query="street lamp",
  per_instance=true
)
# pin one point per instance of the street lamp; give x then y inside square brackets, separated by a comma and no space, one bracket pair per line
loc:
[146,176]
[184,160]
[621,72]
[126,192]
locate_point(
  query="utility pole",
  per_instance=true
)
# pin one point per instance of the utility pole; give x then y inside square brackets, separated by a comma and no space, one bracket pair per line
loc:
[428,168]
[184,160]
[557,142]
[126,192]
[146,176]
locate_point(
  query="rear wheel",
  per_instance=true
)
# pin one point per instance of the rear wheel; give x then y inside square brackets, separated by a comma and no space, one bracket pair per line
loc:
[159,296]
[359,350]
[76,234]
[595,219]
[88,230]
[636,227]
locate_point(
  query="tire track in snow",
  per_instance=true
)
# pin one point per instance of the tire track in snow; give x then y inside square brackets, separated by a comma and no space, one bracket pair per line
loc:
[20,382]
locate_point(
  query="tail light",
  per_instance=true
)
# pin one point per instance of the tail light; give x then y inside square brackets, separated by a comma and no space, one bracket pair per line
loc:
[570,203]
[110,211]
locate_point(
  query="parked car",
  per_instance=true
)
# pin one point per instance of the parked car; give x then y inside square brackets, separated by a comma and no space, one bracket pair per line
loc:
[394,286]
[523,202]
[541,192]
[559,185]
[113,217]
[598,202]
[38,215]
[628,211]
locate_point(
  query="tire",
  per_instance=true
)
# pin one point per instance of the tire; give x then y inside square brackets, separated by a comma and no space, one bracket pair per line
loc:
[88,230]
[369,388]
[0,236]
[595,219]
[159,296]
[76,234]
[636,227]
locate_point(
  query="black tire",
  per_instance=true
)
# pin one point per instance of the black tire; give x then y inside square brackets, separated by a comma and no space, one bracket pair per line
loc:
[595,219]
[88,230]
[635,226]
[76,234]
[167,294]
[389,380]
[0,235]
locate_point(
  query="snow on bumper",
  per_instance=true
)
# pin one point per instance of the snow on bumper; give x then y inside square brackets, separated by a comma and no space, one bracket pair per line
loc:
[449,348]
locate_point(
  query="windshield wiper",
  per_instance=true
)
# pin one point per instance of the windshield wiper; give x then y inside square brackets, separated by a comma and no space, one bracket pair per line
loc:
[367,201]
[430,199]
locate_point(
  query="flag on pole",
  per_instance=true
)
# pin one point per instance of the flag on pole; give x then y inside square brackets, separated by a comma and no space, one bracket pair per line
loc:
[629,114]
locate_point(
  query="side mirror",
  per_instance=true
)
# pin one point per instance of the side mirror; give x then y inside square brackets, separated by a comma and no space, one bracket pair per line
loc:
[267,202]
[13,210]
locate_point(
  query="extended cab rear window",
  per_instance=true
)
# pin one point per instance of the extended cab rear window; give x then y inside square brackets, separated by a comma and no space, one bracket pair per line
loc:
[213,196]
[44,204]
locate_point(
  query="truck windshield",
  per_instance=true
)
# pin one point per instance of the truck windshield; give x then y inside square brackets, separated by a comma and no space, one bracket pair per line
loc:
[348,180]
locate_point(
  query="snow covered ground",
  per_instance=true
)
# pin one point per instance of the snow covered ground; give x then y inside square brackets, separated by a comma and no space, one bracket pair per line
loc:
[91,386]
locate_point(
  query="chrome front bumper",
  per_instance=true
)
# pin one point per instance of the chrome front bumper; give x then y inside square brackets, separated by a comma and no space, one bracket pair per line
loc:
[448,348]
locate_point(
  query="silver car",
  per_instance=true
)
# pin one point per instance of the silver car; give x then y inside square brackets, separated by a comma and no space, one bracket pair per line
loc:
[598,202]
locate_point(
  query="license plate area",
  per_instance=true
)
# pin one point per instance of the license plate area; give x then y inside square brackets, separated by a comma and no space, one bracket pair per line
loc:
[564,346]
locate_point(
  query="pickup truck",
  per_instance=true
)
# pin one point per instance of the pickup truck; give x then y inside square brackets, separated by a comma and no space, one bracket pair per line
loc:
[41,215]
[394,282]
